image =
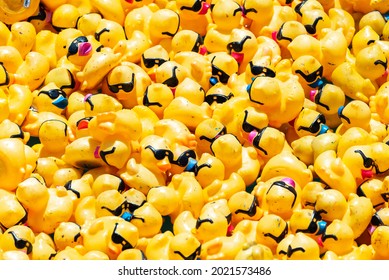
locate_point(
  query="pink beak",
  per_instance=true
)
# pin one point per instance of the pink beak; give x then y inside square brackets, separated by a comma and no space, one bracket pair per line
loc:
[238,57]
[84,48]
[83,124]
[96,152]
[371,229]
[320,242]
[204,8]
[203,50]
[252,135]
[366,174]
[312,94]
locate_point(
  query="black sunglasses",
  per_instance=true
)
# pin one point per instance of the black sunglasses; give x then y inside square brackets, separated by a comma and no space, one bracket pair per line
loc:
[211,140]
[280,36]
[102,31]
[82,123]
[199,42]
[257,139]
[150,62]
[183,159]
[279,238]
[369,162]
[125,205]
[172,81]
[315,126]
[311,28]
[147,102]
[257,70]
[73,48]
[127,87]
[237,46]
[192,256]
[284,185]
[118,239]
[310,78]
[53,93]
[196,6]
[68,186]
[246,126]
[6,82]
[252,210]
[218,98]
[248,89]
[21,243]
[318,102]
[376,220]
[313,226]
[161,153]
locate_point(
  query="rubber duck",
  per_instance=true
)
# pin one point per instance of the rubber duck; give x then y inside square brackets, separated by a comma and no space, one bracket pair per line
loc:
[331,205]
[357,87]
[67,234]
[33,70]
[362,119]
[16,12]
[276,15]
[359,214]
[43,247]
[244,206]
[310,122]
[110,235]
[109,33]
[16,102]
[366,161]
[213,221]
[198,66]
[223,67]
[22,36]
[226,15]
[120,82]
[79,253]
[254,252]
[63,78]
[374,190]
[50,98]
[15,171]
[188,40]
[271,230]
[245,160]
[190,114]
[281,99]
[12,212]
[223,247]
[208,169]
[298,246]
[176,132]
[110,10]
[338,238]
[334,172]
[288,165]
[378,103]
[242,46]
[194,15]
[279,195]
[132,48]
[97,67]
[20,238]
[190,195]
[47,219]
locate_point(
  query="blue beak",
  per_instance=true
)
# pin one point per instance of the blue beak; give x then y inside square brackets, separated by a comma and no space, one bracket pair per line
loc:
[61,102]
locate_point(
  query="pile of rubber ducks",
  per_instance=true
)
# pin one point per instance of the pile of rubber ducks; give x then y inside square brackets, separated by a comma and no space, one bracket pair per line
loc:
[194,129]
